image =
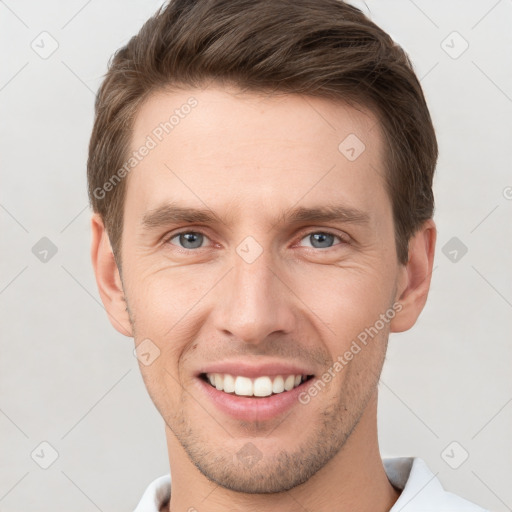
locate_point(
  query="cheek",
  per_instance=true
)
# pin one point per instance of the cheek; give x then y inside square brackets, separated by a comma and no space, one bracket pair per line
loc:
[162,383]
[167,314]
[347,300]
[162,300]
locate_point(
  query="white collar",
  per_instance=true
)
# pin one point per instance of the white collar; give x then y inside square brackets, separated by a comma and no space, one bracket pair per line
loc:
[421,490]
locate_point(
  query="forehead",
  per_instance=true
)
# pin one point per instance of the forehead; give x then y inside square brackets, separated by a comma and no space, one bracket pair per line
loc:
[221,147]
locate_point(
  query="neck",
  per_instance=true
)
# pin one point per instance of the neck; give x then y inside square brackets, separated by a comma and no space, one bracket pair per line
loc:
[354,480]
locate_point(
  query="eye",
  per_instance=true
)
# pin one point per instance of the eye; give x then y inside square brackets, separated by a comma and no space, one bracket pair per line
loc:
[321,240]
[188,240]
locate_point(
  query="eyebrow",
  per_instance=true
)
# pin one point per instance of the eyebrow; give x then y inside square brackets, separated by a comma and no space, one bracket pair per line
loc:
[174,213]
[325,213]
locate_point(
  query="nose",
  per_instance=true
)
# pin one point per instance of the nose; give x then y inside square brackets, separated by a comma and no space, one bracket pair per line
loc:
[254,302]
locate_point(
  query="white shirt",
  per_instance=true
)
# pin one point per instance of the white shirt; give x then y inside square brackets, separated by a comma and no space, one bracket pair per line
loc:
[421,490]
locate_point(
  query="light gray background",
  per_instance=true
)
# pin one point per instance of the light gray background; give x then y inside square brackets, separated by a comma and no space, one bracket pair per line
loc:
[69,379]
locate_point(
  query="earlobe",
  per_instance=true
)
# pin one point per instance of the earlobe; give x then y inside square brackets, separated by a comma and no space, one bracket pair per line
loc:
[107,278]
[416,275]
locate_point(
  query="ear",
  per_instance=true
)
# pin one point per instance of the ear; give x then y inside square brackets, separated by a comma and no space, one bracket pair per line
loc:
[107,278]
[414,279]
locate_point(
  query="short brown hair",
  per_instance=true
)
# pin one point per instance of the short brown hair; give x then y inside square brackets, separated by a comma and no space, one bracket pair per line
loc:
[322,48]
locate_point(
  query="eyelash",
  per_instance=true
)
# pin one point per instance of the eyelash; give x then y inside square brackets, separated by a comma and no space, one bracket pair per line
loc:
[343,241]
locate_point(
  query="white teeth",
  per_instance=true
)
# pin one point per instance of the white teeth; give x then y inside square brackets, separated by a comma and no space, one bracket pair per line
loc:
[229,383]
[278,384]
[243,386]
[261,386]
[289,382]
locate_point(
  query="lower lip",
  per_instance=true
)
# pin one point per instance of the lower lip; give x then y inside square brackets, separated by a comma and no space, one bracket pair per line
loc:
[257,408]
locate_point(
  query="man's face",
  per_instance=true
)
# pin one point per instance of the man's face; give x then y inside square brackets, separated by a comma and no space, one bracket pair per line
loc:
[264,283]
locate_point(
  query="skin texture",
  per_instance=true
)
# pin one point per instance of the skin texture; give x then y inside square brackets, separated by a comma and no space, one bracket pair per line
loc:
[249,159]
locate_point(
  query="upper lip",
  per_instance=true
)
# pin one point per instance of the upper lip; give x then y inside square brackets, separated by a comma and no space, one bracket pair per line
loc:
[244,369]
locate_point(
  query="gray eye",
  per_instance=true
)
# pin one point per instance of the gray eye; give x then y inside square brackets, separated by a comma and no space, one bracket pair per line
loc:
[189,240]
[321,240]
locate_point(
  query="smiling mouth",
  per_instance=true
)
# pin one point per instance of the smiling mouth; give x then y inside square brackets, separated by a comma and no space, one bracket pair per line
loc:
[259,387]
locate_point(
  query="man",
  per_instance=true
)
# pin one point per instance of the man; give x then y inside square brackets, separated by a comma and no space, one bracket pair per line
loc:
[261,177]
